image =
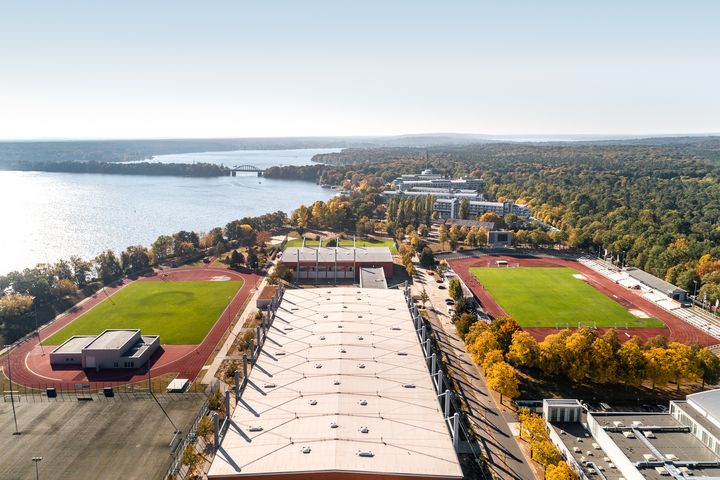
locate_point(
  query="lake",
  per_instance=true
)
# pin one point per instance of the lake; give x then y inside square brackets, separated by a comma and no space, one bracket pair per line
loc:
[49,216]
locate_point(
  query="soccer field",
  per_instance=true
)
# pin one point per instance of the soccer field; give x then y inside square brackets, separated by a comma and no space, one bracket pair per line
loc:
[182,313]
[553,297]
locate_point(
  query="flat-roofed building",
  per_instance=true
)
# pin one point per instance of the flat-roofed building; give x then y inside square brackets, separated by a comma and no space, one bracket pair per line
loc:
[450,208]
[372,277]
[113,348]
[341,390]
[335,263]
[658,284]
[635,446]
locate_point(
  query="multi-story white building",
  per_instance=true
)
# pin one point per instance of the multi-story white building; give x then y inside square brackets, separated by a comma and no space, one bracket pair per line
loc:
[432,180]
[450,208]
[683,443]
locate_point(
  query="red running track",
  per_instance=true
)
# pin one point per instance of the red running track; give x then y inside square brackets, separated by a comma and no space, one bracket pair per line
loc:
[31,364]
[677,329]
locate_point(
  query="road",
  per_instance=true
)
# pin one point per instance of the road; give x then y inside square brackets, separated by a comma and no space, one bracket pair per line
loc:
[499,446]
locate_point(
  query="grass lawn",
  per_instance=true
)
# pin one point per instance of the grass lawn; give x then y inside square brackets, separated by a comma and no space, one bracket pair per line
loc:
[553,297]
[368,242]
[182,313]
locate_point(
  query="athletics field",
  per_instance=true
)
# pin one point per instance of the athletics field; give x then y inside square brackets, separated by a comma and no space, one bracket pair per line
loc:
[555,297]
[181,312]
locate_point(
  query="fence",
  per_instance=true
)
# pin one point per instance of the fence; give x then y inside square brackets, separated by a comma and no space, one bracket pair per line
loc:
[56,392]
[177,453]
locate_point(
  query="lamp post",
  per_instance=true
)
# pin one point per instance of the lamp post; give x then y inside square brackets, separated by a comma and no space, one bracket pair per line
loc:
[36,461]
[12,392]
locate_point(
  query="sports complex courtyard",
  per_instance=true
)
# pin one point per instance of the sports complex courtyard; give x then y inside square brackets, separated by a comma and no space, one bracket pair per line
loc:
[546,294]
[189,308]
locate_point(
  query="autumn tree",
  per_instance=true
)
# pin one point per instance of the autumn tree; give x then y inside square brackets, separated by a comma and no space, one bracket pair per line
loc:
[455,289]
[709,365]
[443,235]
[502,378]
[658,366]
[561,471]
[524,350]
[631,362]
[578,352]
[491,358]
[603,362]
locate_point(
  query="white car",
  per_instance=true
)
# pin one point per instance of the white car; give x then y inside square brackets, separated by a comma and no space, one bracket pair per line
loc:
[450,310]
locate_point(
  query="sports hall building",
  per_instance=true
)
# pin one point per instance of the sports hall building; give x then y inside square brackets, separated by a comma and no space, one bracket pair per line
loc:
[341,390]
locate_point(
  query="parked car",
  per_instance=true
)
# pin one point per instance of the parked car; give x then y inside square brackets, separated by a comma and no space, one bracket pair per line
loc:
[441,287]
[449,301]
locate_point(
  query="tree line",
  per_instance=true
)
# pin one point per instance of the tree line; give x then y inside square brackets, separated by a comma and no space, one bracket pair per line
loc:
[582,355]
[138,168]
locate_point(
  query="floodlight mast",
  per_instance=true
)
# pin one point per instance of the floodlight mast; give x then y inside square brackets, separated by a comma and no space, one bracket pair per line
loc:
[12,392]
[36,461]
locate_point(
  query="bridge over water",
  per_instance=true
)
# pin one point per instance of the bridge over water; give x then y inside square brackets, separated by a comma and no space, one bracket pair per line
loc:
[246,168]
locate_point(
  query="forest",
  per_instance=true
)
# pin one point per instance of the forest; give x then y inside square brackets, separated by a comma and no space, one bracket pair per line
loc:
[653,205]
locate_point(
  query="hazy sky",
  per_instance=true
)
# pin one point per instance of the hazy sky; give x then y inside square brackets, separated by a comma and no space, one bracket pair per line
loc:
[130,69]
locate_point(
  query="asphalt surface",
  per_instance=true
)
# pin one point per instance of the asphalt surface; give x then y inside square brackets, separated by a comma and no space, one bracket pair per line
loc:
[103,438]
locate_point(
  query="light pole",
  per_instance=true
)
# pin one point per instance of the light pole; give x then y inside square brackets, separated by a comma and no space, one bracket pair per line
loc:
[12,392]
[37,460]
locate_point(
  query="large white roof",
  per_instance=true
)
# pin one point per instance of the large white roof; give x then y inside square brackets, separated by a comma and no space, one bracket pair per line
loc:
[342,356]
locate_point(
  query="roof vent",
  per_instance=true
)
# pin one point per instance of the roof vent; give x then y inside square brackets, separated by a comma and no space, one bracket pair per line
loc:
[360,337]
[342,350]
[255,429]
[339,326]
[391,308]
[313,402]
[294,308]
[288,328]
[402,354]
[364,429]
[269,385]
[360,316]
[333,425]
[322,337]
[395,328]
[318,365]
[336,382]
[363,402]
[361,365]
[279,353]
[325,316]
[305,450]
[409,385]
[365,453]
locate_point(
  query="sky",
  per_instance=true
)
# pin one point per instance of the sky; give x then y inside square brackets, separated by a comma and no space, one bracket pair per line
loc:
[173,69]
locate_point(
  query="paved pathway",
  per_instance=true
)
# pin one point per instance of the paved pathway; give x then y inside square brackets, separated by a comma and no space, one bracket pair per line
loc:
[505,458]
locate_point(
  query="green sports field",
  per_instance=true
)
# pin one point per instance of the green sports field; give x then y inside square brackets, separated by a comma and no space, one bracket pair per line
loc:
[553,297]
[182,313]
[368,242]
